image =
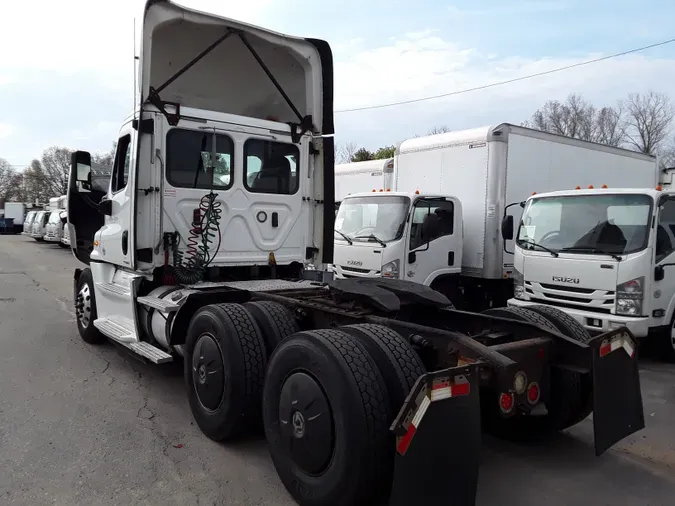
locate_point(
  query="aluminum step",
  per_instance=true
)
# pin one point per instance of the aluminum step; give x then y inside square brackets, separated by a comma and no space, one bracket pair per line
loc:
[117,328]
[115,288]
[164,305]
[150,352]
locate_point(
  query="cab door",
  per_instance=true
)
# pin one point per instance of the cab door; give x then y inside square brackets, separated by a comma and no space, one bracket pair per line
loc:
[435,239]
[664,258]
[116,238]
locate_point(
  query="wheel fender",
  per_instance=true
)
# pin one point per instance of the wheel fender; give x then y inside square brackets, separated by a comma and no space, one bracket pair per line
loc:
[441,274]
[76,278]
[670,312]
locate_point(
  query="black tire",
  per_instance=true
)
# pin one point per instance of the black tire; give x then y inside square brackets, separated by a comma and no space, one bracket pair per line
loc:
[569,395]
[276,322]
[85,309]
[224,380]
[347,458]
[395,358]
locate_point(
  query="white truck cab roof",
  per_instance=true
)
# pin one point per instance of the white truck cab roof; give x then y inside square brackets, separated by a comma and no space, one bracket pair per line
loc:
[652,192]
[378,192]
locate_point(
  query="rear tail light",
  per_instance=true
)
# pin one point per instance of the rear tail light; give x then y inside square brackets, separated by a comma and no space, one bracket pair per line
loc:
[533,393]
[506,402]
[520,382]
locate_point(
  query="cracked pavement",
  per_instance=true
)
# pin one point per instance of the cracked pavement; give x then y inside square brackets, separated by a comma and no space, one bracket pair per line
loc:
[83,424]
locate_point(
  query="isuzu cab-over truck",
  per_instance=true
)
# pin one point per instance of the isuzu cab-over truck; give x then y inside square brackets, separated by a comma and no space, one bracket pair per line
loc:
[603,256]
[210,244]
[487,169]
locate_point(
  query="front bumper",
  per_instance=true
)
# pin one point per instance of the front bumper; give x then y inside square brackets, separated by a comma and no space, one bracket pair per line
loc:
[52,238]
[597,323]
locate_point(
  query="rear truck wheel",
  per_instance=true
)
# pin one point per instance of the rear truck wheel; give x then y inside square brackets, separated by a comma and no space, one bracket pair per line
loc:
[395,358]
[664,345]
[569,393]
[570,327]
[276,322]
[85,309]
[326,414]
[224,370]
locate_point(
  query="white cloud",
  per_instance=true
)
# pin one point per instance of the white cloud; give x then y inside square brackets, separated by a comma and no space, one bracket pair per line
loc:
[6,130]
[419,66]
[83,35]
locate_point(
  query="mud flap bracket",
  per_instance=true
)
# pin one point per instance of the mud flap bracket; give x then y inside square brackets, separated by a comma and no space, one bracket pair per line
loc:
[617,398]
[438,440]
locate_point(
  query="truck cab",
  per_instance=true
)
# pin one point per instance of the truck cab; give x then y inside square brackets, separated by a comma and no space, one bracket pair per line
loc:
[216,177]
[412,236]
[603,256]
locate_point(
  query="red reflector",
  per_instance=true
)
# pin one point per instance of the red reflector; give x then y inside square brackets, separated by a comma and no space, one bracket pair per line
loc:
[506,402]
[605,348]
[540,354]
[404,442]
[461,389]
[533,393]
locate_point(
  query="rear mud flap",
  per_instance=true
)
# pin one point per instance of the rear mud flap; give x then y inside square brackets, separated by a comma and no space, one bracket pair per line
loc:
[617,399]
[438,440]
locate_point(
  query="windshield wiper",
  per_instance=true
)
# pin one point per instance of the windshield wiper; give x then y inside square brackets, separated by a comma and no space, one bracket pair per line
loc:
[373,237]
[346,237]
[527,241]
[590,249]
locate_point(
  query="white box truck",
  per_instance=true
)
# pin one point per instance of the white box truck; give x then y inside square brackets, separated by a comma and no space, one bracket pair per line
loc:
[16,211]
[489,169]
[357,177]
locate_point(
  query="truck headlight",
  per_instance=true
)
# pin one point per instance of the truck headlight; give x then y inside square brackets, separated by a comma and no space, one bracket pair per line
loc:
[518,284]
[391,269]
[629,297]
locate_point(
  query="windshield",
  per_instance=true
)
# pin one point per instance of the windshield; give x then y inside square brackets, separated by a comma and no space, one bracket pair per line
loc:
[54,217]
[361,218]
[611,224]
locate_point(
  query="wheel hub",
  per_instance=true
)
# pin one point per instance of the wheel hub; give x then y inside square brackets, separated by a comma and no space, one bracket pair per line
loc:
[298,424]
[306,423]
[83,306]
[208,375]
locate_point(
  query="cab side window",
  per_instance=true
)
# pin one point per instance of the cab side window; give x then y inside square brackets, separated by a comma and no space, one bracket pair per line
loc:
[120,174]
[439,216]
[665,232]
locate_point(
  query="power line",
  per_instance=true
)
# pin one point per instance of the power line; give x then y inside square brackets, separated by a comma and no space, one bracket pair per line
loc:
[509,81]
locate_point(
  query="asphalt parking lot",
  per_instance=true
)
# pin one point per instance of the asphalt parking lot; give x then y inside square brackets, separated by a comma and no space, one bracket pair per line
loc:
[87,425]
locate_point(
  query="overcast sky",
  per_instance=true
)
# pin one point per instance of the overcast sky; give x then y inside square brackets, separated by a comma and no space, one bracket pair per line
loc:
[66,67]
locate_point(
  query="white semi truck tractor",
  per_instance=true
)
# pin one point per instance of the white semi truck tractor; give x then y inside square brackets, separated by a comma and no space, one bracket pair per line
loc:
[209,246]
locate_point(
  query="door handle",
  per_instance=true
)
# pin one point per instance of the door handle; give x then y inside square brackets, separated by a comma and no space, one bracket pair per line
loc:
[125,242]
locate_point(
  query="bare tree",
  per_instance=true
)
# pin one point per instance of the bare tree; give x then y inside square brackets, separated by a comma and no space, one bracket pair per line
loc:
[345,152]
[105,159]
[578,118]
[667,155]
[7,173]
[610,126]
[649,119]
[439,130]
[35,183]
[56,167]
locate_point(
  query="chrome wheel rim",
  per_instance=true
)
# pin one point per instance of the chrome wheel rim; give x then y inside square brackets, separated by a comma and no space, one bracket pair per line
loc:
[83,306]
